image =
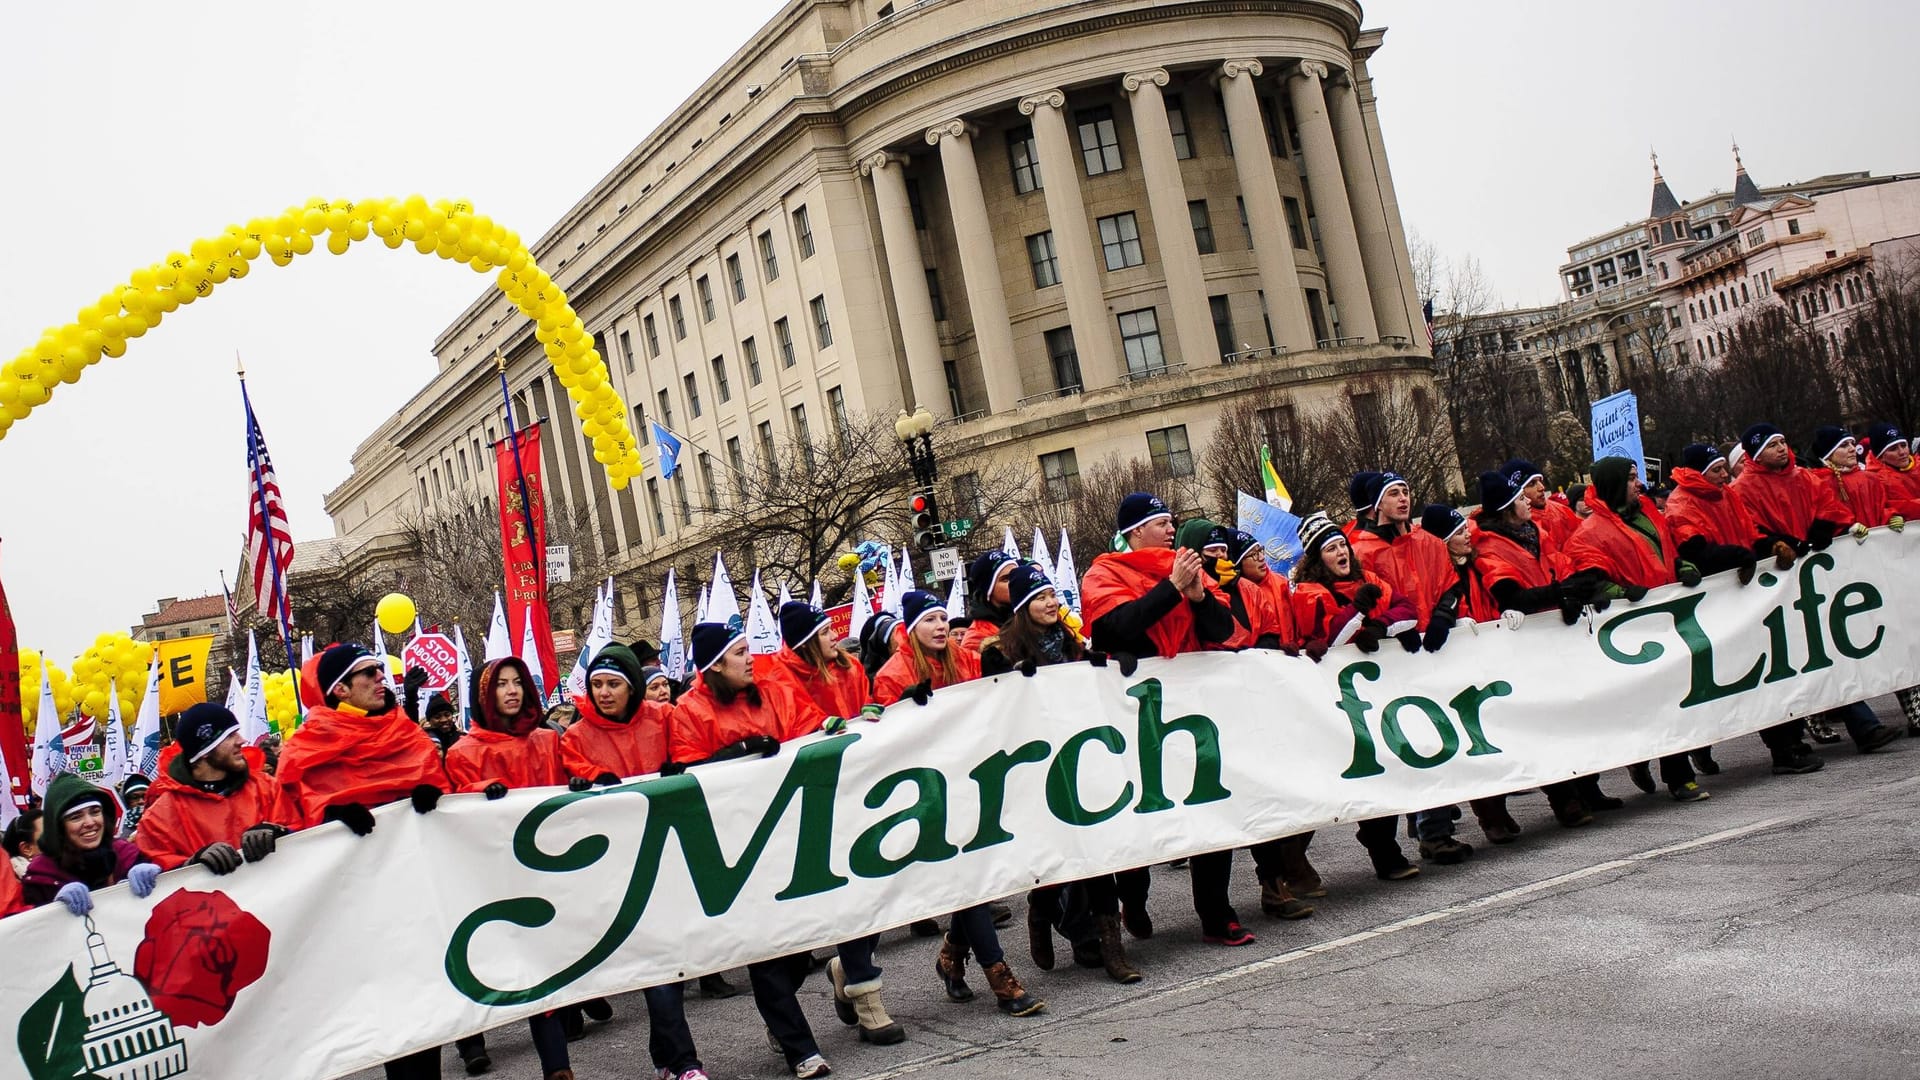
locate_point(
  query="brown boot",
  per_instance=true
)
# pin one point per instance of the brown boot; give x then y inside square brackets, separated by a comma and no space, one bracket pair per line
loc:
[1299,875]
[560,1074]
[1113,950]
[1013,998]
[1278,901]
[1495,821]
[951,966]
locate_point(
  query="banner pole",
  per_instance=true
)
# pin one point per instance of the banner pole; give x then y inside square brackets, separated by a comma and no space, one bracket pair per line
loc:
[283,612]
[520,478]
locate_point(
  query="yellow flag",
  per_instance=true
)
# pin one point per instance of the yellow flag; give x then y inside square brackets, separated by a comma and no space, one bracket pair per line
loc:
[183,672]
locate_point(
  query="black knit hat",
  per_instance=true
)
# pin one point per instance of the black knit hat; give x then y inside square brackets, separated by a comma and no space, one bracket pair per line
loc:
[644,651]
[340,661]
[134,784]
[711,641]
[986,569]
[1368,488]
[1826,439]
[1755,439]
[1315,532]
[1497,492]
[202,727]
[799,622]
[1240,543]
[1136,510]
[1882,435]
[1027,582]
[1520,472]
[1442,521]
[1700,457]
[919,603]
[876,633]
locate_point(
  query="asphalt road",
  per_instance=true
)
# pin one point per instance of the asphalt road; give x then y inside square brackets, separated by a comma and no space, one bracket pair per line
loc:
[1767,932]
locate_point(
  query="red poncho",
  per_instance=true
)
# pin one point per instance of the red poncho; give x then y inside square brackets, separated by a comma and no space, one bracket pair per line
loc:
[1501,558]
[1415,563]
[1903,485]
[1557,520]
[1786,502]
[840,691]
[1605,543]
[977,634]
[898,673]
[701,725]
[1314,605]
[182,819]
[482,757]
[596,745]
[13,899]
[1700,507]
[1269,610]
[1119,577]
[349,757]
[1863,493]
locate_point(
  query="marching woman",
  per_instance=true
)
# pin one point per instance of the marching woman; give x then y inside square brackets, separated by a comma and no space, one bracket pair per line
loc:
[1034,637]
[79,852]
[1891,459]
[988,599]
[930,661]
[1337,603]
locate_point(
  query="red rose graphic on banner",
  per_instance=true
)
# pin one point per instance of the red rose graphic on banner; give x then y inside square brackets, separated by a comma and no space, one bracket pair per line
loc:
[200,951]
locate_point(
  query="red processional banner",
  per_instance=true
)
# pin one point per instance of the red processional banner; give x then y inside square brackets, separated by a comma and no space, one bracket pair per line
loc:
[13,733]
[523,549]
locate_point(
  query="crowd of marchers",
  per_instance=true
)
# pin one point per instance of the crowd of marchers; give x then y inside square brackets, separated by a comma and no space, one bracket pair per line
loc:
[1393,576]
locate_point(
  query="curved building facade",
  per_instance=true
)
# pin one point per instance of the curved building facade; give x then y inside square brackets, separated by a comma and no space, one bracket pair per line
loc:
[1071,228]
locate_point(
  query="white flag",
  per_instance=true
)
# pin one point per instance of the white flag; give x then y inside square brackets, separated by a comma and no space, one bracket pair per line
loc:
[908,580]
[815,599]
[673,642]
[1041,556]
[1008,545]
[465,679]
[499,637]
[114,757]
[957,597]
[386,672]
[46,733]
[599,636]
[1066,576]
[530,654]
[8,808]
[236,694]
[862,605]
[763,632]
[253,717]
[786,595]
[306,651]
[723,604]
[146,725]
[890,587]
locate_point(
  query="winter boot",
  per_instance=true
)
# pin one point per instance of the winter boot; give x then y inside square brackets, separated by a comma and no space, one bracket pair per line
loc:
[1390,865]
[1703,762]
[473,1054]
[1446,851]
[1039,937]
[1568,808]
[1012,997]
[1641,773]
[951,966]
[1592,797]
[1820,731]
[1495,821]
[1113,950]
[1278,901]
[715,987]
[1301,878]
[859,1004]
[1910,706]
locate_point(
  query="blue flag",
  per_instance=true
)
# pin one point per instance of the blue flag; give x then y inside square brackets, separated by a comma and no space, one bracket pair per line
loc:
[1277,530]
[1616,430]
[669,444]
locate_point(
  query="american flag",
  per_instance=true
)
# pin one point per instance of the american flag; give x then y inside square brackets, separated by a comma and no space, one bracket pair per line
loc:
[269,541]
[233,609]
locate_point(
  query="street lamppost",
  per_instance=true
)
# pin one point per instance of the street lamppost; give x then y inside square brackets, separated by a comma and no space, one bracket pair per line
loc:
[915,433]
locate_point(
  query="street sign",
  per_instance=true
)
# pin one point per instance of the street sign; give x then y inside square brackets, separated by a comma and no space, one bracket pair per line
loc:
[565,641]
[946,563]
[957,529]
[434,654]
[559,564]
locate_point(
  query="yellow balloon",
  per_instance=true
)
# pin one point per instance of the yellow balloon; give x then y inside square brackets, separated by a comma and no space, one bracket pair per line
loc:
[395,613]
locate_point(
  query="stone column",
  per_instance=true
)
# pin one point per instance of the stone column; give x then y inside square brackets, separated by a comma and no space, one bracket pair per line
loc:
[986,294]
[1080,270]
[1383,170]
[1390,301]
[1346,274]
[912,303]
[1172,227]
[1272,248]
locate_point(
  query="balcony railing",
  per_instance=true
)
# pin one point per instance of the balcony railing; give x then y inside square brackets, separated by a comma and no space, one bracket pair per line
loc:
[1339,342]
[1173,367]
[1244,355]
[1058,392]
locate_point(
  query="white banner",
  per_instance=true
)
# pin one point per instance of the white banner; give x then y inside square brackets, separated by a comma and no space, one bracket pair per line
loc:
[339,951]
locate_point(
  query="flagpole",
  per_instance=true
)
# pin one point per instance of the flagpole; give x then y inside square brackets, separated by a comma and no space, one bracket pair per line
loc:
[519,472]
[283,610]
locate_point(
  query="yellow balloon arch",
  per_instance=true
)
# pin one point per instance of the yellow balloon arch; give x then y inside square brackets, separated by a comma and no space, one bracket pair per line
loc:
[450,230]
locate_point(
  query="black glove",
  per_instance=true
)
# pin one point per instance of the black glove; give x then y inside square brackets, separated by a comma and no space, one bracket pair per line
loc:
[496,790]
[1367,638]
[1409,640]
[764,745]
[1570,604]
[1316,650]
[1028,667]
[672,768]
[1689,575]
[580,783]
[416,678]
[606,779]
[259,842]
[921,692]
[1365,597]
[1097,659]
[1820,536]
[1601,600]
[425,798]
[1634,593]
[219,858]
[1438,627]
[1127,664]
[357,818]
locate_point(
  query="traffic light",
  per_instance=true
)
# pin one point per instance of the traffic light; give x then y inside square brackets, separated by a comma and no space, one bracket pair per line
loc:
[926,521]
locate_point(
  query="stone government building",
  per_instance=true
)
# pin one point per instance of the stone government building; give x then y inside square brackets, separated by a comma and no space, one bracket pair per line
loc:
[1069,228]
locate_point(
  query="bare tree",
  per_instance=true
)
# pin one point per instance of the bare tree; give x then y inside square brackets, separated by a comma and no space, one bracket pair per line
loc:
[1087,506]
[1265,416]
[454,567]
[1880,362]
[1775,369]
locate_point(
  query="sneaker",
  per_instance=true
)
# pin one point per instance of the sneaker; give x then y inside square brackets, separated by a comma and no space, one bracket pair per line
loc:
[664,1073]
[813,1066]
[924,928]
[1689,792]
[478,1064]
[1234,935]
[1821,731]
[693,1074]
[1642,776]
[599,1010]
[1798,764]
[1446,851]
[1879,736]
[1703,762]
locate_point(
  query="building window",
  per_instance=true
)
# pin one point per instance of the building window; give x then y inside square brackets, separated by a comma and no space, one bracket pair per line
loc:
[1024,154]
[707,485]
[751,353]
[1063,357]
[803,233]
[800,433]
[704,287]
[1745,296]
[965,499]
[1120,241]
[738,279]
[1170,451]
[626,350]
[1296,226]
[1246,226]
[738,464]
[1099,140]
[1061,471]
[1140,336]
[641,434]
[933,294]
[1177,123]
[783,337]
[722,389]
[653,504]
[679,319]
[653,336]
[680,497]
[1046,264]
[837,409]
[1793,227]
[1317,315]
[1756,237]
[955,402]
[822,328]
[693,394]
[1222,312]
[1202,226]
[766,445]
[665,412]
[769,262]
[916,203]
[1278,426]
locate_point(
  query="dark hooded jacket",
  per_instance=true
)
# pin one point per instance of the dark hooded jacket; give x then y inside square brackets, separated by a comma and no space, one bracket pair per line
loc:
[518,751]
[56,865]
[631,745]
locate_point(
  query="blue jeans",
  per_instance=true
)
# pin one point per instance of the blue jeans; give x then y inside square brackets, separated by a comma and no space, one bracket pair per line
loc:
[1859,719]
[669,1039]
[856,959]
[1437,824]
[973,929]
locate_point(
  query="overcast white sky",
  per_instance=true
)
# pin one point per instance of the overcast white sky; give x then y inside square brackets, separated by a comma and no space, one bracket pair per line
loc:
[1515,127]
